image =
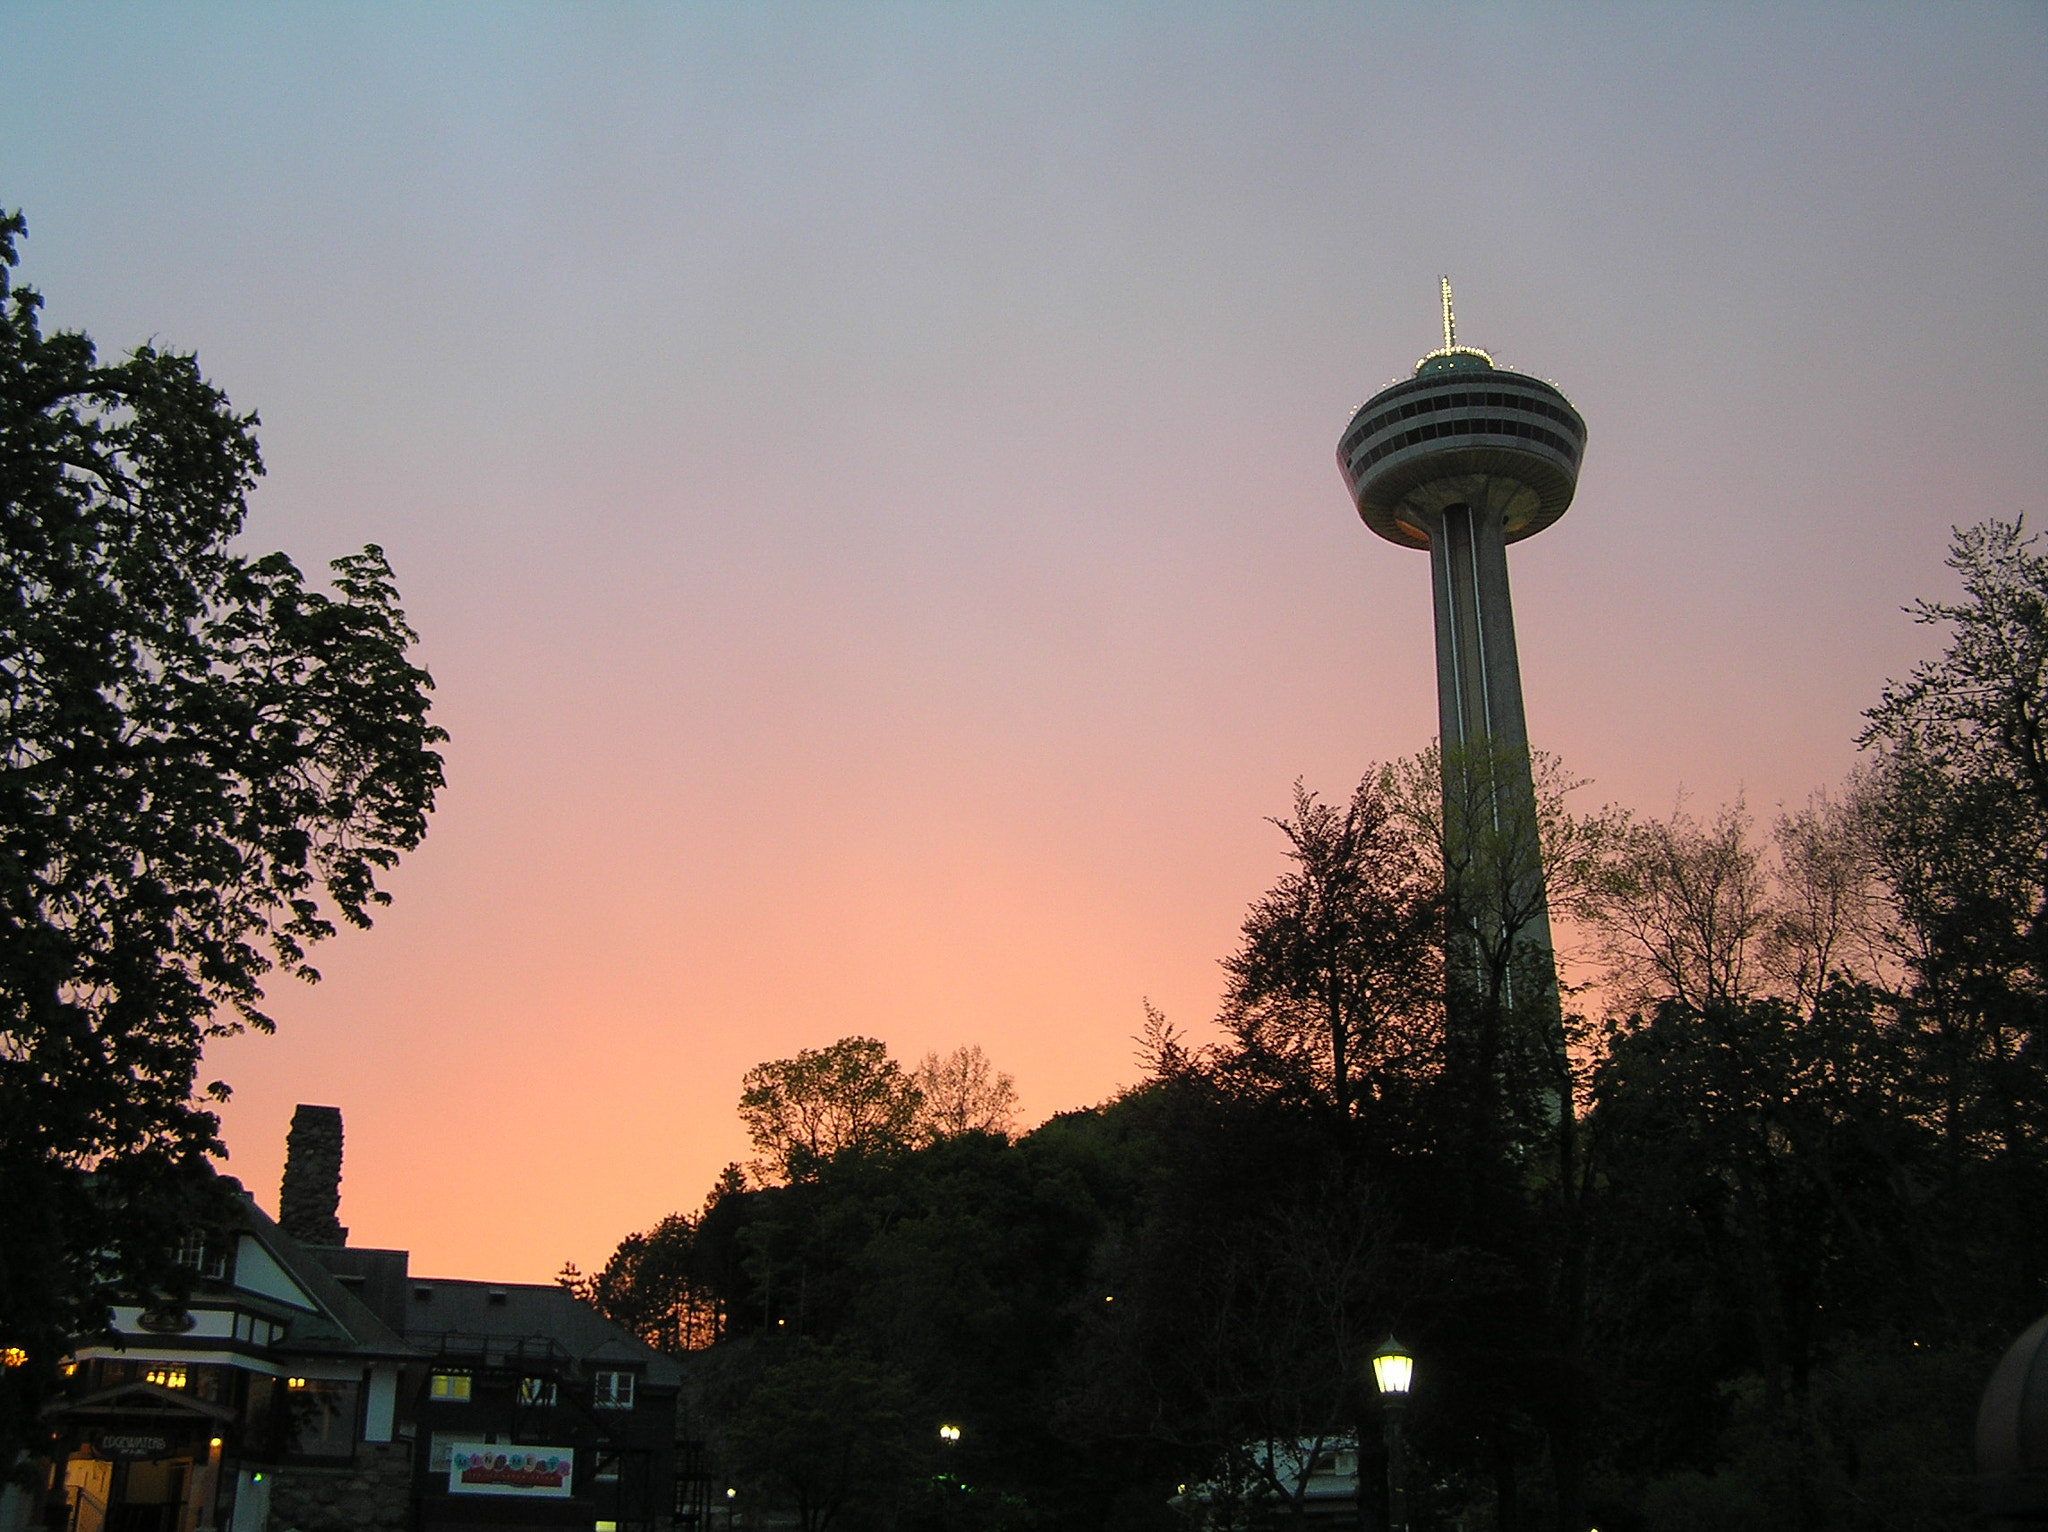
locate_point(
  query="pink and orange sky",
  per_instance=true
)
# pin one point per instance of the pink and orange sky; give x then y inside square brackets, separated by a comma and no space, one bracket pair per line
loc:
[864,478]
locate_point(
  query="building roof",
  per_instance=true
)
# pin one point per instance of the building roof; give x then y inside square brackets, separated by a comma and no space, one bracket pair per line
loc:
[339,1320]
[505,1321]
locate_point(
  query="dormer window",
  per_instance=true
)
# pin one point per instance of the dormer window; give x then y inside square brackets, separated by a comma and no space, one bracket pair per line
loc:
[611,1390]
[198,1252]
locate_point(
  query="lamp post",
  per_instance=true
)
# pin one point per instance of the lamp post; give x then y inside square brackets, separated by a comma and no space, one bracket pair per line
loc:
[1393,1369]
[948,1484]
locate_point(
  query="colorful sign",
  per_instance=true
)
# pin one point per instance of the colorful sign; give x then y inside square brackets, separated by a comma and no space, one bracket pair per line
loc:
[495,1468]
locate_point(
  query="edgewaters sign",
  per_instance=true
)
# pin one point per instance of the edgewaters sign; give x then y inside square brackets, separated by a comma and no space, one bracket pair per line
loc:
[494,1468]
[135,1446]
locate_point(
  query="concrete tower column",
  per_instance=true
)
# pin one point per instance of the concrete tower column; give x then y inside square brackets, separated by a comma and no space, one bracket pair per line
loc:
[1478,677]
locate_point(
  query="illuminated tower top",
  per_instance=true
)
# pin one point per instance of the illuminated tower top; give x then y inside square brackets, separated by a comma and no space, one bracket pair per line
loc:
[1462,431]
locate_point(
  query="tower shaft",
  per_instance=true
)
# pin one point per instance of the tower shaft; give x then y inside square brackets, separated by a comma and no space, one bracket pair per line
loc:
[1478,677]
[1491,838]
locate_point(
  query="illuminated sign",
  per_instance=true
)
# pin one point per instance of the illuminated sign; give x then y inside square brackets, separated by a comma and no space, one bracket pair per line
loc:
[135,1446]
[497,1468]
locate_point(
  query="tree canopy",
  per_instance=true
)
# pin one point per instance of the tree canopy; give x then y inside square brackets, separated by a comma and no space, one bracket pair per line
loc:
[1753,1272]
[204,763]
[848,1095]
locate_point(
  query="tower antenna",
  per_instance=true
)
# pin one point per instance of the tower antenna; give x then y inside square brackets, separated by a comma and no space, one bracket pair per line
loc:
[1450,318]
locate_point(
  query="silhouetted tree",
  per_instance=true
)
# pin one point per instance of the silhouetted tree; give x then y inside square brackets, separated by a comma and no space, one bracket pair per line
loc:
[824,1432]
[202,764]
[1337,986]
[849,1095]
[963,1092]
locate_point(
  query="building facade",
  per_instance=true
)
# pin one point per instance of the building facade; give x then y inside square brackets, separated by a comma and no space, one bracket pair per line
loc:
[319,1388]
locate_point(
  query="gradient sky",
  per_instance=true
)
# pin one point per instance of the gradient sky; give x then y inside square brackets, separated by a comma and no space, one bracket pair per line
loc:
[864,477]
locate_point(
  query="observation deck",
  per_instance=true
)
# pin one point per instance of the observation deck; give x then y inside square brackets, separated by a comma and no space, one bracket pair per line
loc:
[1462,432]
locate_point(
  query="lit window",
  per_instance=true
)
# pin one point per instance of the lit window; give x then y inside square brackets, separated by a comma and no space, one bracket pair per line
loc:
[452,1387]
[612,1390]
[14,1356]
[165,1377]
[537,1391]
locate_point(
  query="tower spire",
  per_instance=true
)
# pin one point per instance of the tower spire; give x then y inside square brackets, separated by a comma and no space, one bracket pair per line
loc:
[1450,318]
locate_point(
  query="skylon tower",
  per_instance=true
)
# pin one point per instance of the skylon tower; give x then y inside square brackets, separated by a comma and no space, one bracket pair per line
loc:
[1462,459]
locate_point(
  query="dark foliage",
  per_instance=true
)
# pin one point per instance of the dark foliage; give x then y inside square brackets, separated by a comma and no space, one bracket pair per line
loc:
[202,763]
[1754,1277]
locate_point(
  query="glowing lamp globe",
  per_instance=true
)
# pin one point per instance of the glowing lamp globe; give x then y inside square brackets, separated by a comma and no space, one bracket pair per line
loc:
[1393,1367]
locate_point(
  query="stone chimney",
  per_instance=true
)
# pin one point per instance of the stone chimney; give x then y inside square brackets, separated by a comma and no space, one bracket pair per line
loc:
[312,1178]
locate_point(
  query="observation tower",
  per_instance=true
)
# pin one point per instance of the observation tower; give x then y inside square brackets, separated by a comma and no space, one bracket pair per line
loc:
[1462,459]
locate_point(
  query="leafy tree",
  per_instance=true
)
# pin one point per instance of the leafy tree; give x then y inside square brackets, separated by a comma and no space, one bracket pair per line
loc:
[650,1285]
[963,1093]
[1960,791]
[1832,920]
[849,1095]
[1337,985]
[202,764]
[1980,711]
[1683,910]
[1743,1258]
[827,1433]
[1242,1299]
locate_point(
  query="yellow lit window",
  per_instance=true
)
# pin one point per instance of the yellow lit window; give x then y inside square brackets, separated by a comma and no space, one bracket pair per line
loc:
[165,1377]
[294,1382]
[453,1387]
[536,1391]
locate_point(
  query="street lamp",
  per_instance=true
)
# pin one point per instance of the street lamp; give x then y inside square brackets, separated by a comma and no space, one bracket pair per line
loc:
[1393,1369]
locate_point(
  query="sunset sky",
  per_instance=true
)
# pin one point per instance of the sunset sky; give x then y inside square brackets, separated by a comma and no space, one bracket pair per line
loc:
[864,479]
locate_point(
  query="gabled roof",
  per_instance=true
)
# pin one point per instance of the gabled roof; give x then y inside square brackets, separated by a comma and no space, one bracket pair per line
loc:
[129,1399]
[339,1321]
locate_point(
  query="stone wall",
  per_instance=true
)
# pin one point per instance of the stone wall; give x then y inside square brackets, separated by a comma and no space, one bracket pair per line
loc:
[372,1492]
